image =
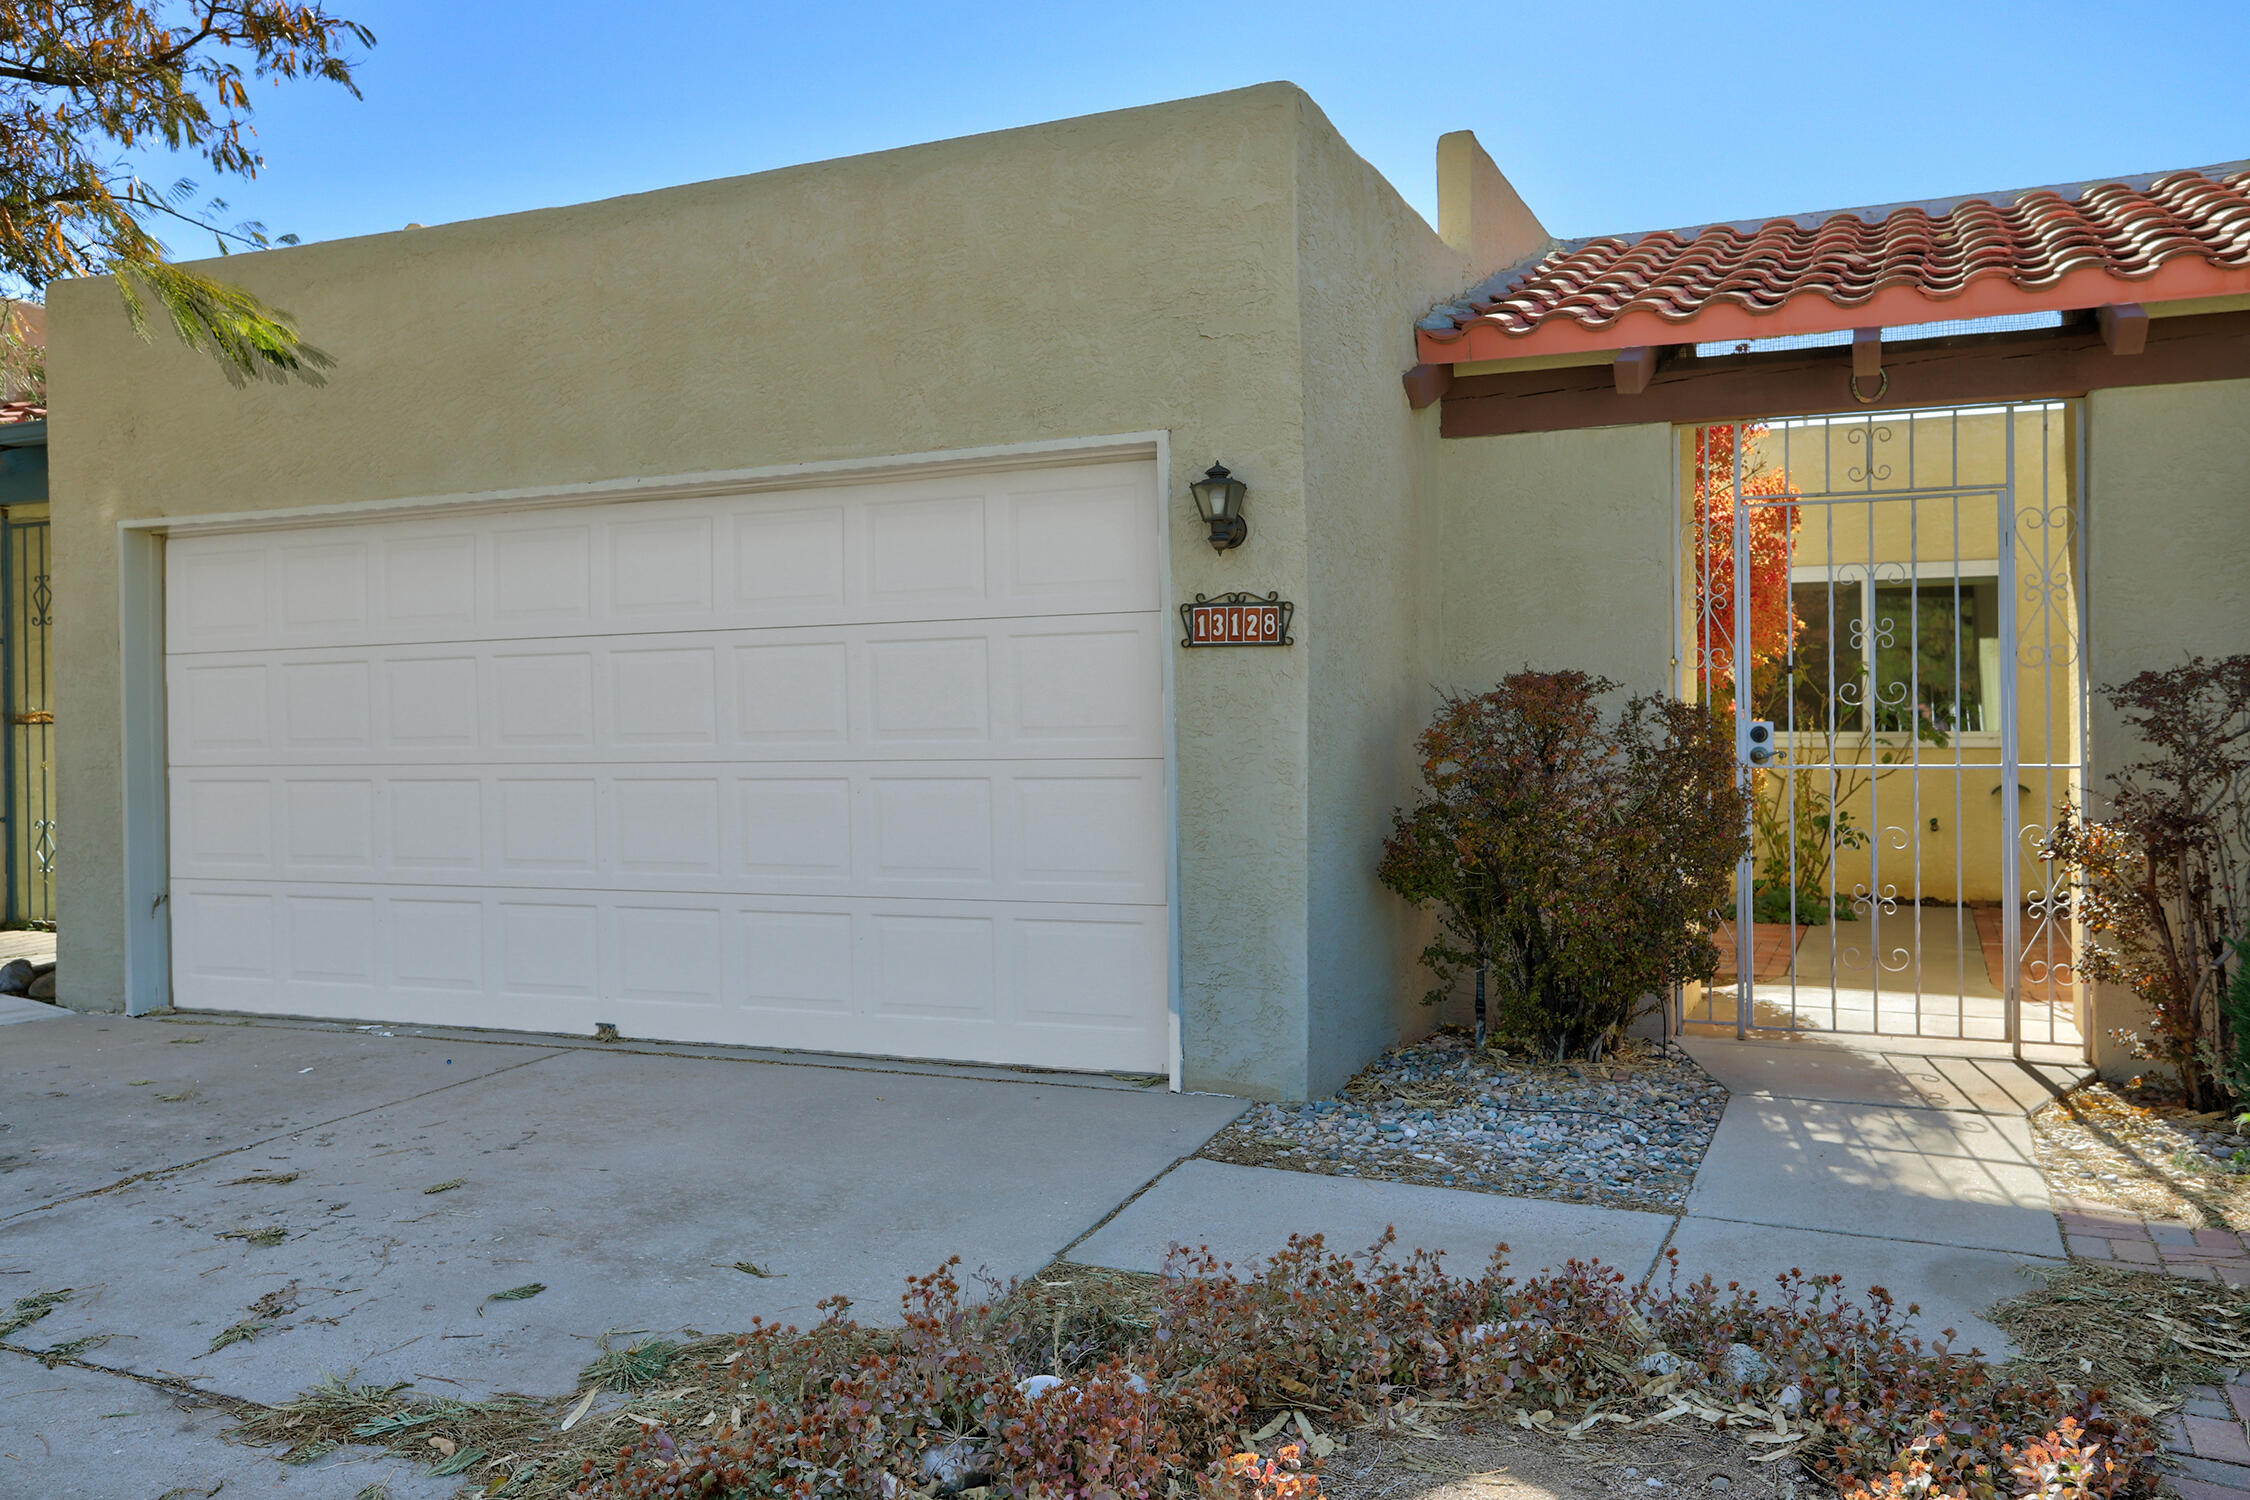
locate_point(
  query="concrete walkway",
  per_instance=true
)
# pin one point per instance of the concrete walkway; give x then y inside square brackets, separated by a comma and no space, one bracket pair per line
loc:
[407,1175]
[1912,1171]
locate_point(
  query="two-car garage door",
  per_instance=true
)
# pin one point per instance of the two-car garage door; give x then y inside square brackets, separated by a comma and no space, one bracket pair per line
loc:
[876,768]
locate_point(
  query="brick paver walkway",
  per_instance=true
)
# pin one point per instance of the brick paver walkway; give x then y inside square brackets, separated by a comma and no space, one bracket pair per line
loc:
[2210,1445]
[2208,1439]
[2092,1231]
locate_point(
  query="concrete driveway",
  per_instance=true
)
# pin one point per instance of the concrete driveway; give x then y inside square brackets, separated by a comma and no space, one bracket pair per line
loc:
[404,1177]
[135,1155]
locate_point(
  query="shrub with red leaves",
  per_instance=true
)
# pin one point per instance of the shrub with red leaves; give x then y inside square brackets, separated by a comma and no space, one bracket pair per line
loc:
[844,1409]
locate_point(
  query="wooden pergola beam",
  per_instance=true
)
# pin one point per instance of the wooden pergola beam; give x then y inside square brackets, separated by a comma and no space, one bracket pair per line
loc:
[1867,353]
[1633,369]
[1426,383]
[2055,363]
[2124,327]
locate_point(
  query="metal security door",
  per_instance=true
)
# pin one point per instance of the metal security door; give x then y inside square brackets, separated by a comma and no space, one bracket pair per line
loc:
[1889,607]
[27,608]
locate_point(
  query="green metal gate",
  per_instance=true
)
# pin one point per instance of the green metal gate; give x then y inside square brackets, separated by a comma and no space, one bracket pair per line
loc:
[27,611]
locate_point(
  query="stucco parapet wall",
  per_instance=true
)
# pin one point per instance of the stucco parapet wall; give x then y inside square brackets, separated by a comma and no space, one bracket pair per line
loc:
[1140,271]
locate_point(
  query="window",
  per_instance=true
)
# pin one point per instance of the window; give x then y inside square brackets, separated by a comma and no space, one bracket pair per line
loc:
[1920,654]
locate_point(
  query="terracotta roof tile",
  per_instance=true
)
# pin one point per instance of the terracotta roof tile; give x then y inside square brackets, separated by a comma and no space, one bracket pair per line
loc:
[2022,247]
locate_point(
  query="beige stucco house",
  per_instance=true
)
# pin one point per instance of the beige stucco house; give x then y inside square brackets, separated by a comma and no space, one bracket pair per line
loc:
[751,612]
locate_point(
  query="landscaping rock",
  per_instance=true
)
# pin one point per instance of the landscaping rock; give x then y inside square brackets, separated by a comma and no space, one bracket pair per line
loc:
[15,976]
[952,1467]
[1660,1363]
[1744,1365]
[1032,1387]
[42,986]
[1627,1132]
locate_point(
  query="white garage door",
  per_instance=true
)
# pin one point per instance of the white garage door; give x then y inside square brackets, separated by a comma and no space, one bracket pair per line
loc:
[873,769]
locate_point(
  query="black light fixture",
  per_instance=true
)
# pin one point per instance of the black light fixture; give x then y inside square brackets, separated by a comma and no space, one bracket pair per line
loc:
[1218,498]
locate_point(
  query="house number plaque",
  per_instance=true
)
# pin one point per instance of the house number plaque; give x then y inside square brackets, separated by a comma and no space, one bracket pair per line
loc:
[1238,620]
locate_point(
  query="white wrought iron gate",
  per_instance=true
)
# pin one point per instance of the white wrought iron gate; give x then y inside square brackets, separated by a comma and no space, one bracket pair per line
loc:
[1890,606]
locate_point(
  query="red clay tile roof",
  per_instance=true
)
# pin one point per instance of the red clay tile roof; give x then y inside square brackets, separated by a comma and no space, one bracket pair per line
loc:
[2180,234]
[12,412]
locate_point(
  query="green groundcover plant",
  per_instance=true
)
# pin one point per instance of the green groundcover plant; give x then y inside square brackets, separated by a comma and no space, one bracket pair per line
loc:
[1153,1397]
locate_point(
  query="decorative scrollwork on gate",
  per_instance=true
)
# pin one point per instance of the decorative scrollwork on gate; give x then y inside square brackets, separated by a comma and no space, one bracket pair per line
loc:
[1869,904]
[1867,470]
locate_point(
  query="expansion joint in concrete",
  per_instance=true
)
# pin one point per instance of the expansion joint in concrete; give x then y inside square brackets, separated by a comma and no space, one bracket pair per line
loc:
[155,1173]
[179,1390]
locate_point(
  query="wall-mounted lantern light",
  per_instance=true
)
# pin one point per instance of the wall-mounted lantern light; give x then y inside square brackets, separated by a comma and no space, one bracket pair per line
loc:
[1218,499]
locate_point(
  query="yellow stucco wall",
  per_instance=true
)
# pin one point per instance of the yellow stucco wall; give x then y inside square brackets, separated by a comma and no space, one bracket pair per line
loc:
[1554,549]
[2168,566]
[1370,267]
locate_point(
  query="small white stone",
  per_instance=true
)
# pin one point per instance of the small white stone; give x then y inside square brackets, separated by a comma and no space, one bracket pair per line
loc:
[953,1466]
[1744,1365]
[1032,1387]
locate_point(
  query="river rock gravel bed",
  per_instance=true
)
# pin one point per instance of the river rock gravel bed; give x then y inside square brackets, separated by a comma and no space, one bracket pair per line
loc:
[1628,1132]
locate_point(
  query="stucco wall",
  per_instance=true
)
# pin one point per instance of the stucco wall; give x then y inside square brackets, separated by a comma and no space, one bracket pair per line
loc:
[1554,549]
[2168,566]
[1370,266]
[1125,272]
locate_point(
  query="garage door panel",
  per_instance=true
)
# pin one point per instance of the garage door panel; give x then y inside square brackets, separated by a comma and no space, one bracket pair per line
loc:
[1073,544]
[797,961]
[224,825]
[661,566]
[1040,985]
[215,593]
[544,700]
[1000,689]
[1006,831]
[669,955]
[793,696]
[926,556]
[796,830]
[429,583]
[542,582]
[986,547]
[330,827]
[327,706]
[437,826]
[788,561]
[665,697]
[1083,971]
[870,768]
[668,825]
[220,711]
[322,585]
[437,944]
[431,705]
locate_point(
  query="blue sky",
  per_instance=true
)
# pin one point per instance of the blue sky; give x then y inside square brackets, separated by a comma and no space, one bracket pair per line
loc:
[1608,116]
